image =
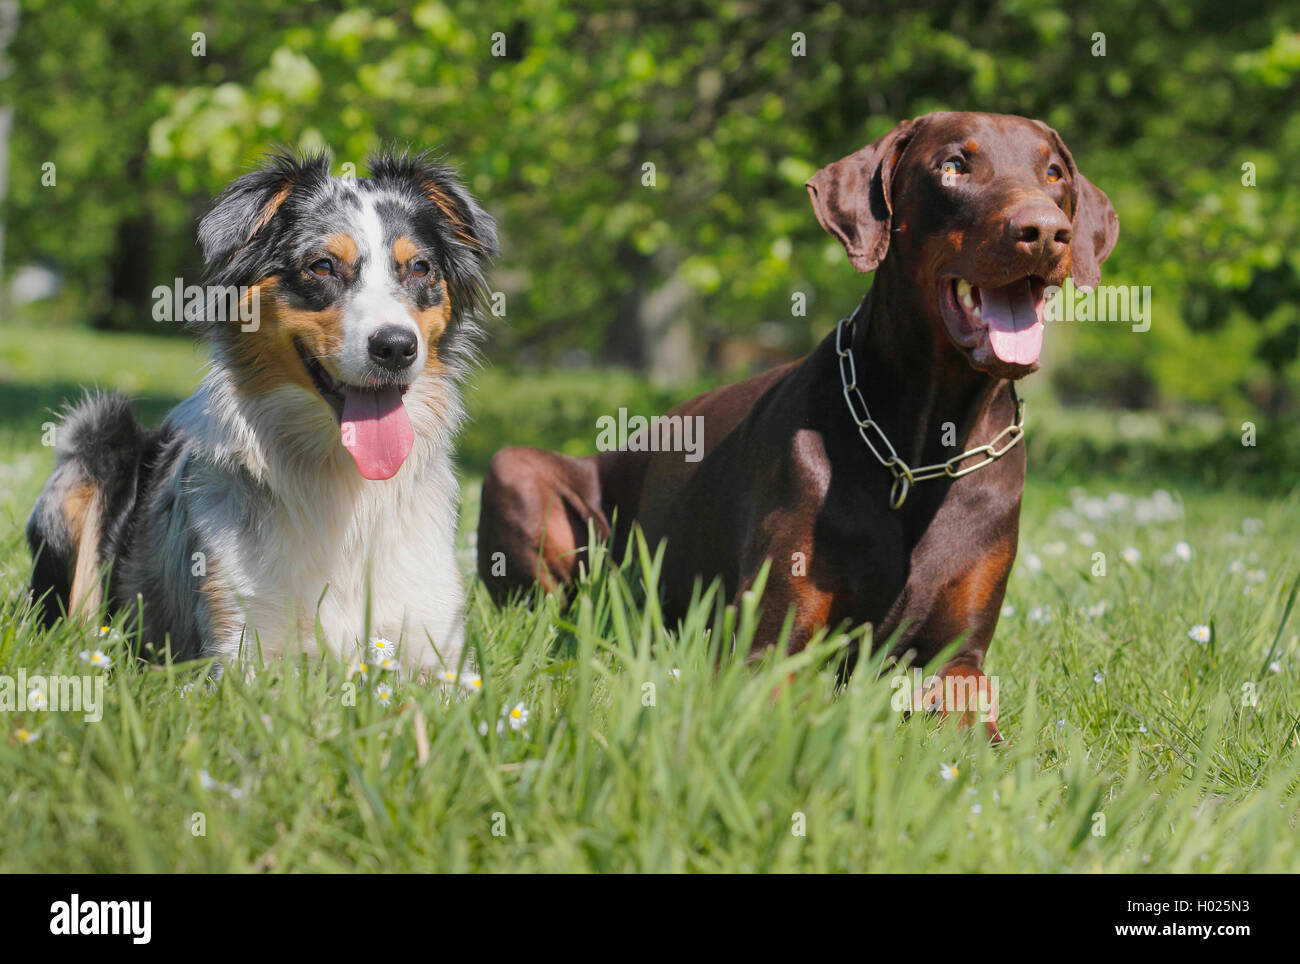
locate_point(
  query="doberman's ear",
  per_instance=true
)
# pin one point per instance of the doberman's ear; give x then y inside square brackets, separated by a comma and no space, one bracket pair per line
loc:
[1096,225]
[1096,229]
[247,208]
[852,197]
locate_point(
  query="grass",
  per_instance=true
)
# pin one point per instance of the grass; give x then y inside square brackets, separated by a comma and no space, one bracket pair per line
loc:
[1132,747]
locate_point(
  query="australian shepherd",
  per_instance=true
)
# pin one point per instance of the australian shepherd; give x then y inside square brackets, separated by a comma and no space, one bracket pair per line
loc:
[305,494]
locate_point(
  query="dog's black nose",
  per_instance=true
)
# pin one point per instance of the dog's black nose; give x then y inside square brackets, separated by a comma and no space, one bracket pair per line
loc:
[393,347]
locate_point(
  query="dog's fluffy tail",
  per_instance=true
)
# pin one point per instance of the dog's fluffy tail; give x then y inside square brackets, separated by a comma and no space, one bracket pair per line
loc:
[85,506]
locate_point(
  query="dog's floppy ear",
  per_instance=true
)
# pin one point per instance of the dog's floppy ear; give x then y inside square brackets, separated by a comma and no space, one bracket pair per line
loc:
[1096,225]
[467,233]
[1096,229]
[245,210]
[852,197]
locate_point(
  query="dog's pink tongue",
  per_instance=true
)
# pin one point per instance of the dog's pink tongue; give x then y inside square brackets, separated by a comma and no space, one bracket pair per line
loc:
[1015,330]
[376,431]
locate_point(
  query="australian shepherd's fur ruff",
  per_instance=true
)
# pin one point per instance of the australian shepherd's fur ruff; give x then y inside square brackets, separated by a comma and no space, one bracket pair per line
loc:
[308,482]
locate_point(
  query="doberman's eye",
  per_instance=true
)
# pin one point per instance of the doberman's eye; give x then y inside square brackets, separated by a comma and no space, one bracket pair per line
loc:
[1054,173]
[322,268]
[954,166]
[420,268]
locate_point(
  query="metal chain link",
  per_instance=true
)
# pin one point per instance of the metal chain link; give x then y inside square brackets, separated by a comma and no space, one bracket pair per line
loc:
[904,475]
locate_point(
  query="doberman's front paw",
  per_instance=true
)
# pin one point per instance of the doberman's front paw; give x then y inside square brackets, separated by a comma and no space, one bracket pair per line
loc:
[964,691]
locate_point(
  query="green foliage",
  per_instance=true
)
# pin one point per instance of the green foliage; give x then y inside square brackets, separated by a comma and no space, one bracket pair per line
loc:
[555,135]
[645,748]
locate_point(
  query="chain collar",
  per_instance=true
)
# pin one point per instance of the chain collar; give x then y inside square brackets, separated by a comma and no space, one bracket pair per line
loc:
[904,475]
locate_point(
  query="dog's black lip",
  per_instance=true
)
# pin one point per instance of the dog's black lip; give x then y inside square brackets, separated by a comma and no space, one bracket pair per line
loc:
[326,385]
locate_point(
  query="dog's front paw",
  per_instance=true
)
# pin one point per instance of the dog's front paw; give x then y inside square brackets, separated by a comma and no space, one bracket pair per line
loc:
[962,690]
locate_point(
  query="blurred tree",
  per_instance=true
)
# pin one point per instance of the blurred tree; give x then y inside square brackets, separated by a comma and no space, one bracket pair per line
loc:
[646,161]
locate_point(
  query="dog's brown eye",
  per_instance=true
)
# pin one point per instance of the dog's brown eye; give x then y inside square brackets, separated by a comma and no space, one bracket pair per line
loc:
[420,268]
[322,268]
[1054,174]
[953,166]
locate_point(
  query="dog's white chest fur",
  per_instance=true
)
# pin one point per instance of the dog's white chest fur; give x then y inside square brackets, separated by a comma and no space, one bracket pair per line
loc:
[381,557]
[313,550]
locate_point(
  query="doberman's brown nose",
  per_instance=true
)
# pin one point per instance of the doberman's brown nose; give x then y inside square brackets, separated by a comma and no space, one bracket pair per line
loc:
[1040,229]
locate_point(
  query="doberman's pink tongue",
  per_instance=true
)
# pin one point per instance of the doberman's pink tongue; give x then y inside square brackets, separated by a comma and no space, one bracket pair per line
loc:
[1015,330]
[376,431]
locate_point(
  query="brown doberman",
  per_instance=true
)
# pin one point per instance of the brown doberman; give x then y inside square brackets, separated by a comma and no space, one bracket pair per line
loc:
[852,469]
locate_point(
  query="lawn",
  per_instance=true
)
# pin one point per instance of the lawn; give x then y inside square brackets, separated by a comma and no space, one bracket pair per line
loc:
[1148,709]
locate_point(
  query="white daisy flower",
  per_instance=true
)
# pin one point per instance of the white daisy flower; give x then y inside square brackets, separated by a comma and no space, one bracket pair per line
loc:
[674,674]
[186,690]
[448,676]
[1033,563]
[518,716]
[472,682]
[1183,551]
[36,700]
[27,736]
[1040,614]
[1087,539]
[97,658]
[1131,555]
[1275,666]
[384,693]
[1098,677]
[387,664]
[1256,575]
[976,809]
[948,770]
[1199,634]
[379,646]
[1008,611]
[1236,567]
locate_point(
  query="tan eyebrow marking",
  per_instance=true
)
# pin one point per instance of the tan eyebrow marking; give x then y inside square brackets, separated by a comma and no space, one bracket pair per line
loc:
[972,146]
[342,246]
[1044,150]
[404,249]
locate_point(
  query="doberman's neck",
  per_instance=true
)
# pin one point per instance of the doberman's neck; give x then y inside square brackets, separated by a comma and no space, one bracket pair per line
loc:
[915,381]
